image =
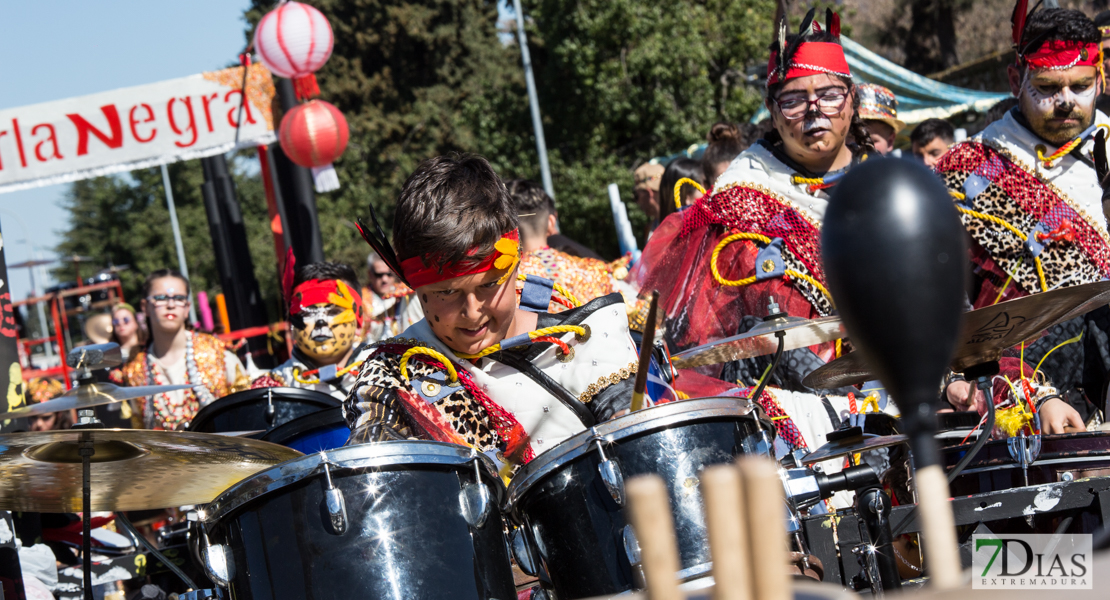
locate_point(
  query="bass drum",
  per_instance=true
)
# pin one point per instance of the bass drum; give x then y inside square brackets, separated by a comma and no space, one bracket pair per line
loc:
[262,409]
[398,519]
[322,430]
[569,501]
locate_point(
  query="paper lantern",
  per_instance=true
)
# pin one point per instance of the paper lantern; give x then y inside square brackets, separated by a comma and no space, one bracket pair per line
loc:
[293,40]
[313,134]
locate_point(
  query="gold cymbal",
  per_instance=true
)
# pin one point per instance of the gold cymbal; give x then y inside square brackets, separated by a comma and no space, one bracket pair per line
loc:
[89,395]
[761,340]
[852,446]
[132,469]
[987,332]
[98,328]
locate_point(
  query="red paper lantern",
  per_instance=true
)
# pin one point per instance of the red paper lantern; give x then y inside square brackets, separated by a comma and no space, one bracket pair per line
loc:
[293,40]
[313,134]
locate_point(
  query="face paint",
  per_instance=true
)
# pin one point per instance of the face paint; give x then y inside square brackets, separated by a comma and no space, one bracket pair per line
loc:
[815,120]
[1059,105]
[322,334]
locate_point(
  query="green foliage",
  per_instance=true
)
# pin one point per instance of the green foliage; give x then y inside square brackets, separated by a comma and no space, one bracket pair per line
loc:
[124,221]
[619,81]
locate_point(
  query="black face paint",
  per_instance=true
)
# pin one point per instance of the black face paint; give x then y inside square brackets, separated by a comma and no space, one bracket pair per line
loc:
[424,297]
[437,318]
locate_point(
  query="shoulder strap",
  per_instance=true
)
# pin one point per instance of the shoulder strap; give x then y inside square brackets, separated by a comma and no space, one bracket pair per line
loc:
[522,364]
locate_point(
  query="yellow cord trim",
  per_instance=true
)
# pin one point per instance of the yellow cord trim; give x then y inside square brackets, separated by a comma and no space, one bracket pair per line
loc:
[839,347]
[799,180]
[678,189]
[1011,228]
[1062,152]
[755,237]
[558,287]
[432,352]
[340,373]
[1063,343]
[579,332]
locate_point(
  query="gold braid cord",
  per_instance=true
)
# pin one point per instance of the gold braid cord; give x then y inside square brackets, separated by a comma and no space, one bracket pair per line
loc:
[755,237]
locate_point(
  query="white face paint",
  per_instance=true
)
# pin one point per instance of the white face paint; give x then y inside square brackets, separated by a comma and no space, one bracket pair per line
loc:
[816,121]
[1062,97]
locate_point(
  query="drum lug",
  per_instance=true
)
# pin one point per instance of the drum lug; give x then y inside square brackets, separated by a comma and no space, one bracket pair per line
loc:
[270,414]
[611,475]
[216,560]
[334,502]
[522,552]
[474,498]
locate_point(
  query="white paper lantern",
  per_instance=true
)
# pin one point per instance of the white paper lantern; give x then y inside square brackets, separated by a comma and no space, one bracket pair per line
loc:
[293,40]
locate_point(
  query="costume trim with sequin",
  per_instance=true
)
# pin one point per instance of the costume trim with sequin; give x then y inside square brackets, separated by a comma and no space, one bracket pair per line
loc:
[993,182]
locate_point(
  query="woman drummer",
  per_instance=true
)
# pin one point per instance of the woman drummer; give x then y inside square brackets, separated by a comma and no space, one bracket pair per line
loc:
[752,247]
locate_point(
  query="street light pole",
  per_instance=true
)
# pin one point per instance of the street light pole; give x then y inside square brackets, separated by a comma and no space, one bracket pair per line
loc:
[533,99]
[181,265]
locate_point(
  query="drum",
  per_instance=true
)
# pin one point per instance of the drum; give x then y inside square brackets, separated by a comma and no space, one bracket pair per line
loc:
[259,410]
[569,501]
[398,519]
[321,430]
[1063,457]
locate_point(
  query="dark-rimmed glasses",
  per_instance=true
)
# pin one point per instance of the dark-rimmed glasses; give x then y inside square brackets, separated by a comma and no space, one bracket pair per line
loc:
[795,106]
[165,299]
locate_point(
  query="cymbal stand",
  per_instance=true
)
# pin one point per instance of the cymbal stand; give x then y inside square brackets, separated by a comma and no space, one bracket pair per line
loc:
[773,312]
[876,551]
[86,419]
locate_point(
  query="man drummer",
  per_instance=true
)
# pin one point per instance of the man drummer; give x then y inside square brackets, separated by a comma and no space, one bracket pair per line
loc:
[478,370]
[1028,190]
[326,314]
[753,246]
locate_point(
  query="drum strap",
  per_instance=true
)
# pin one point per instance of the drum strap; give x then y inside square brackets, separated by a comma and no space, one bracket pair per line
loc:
[545,381]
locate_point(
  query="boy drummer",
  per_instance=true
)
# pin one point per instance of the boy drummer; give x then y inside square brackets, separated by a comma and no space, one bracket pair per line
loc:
[478,370]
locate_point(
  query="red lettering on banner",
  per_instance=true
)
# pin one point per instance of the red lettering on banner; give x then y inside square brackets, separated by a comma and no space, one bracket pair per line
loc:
[19,142]
[188,102]
[2,134]
[207,109]
[232,115]
[53,139]
[135,122]
[84,128]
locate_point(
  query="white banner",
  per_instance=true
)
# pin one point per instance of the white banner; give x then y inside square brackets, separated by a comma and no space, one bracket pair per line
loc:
[134,128]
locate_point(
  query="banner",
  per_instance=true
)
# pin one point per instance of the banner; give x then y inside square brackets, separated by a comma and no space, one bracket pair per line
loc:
[11,375]
[134,128]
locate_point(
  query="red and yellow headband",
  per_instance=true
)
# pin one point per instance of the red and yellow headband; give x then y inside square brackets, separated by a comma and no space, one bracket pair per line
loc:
[811,58]
[506,253]
[1064,54]
[327,291]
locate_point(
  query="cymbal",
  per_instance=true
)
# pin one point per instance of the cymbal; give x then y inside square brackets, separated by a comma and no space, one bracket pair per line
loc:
[987,332]
[98,328]
[132,469]
[852,446]
[31,263]
[76,258]
[761,340]
[90,395]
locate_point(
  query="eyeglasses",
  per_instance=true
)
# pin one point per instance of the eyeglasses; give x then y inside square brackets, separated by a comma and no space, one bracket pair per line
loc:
[387,275]
[795,106]
[122,321]
[164,300]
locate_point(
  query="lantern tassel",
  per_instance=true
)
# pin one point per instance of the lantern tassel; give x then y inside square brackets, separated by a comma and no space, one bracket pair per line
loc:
[325,178]
[306,87]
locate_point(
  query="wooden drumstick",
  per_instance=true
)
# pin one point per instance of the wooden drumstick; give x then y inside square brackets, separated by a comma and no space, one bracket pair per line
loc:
[647,346]
[765,505]
[650,512]
[722,490]
[938,528]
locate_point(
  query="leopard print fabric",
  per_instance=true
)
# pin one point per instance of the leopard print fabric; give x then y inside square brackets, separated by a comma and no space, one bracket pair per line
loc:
[1018,198]
[372,401]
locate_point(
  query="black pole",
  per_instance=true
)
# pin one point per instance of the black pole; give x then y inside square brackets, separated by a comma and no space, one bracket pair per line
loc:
[86,452]
[298,193]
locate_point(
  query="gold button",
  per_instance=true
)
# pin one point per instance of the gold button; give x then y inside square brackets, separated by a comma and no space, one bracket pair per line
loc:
[430,388]
[768,266]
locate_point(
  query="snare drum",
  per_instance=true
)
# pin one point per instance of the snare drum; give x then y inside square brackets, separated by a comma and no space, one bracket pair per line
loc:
[1063,457]
[399,519]
[260,409]
[322,430]
[570,500]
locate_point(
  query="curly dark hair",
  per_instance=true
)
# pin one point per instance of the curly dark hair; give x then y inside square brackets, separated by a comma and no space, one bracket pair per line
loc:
[450,206]
[857,130]
[1058,24]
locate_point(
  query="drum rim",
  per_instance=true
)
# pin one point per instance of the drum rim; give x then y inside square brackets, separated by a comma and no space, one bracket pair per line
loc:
[245,396]
[639,422]
[361,456]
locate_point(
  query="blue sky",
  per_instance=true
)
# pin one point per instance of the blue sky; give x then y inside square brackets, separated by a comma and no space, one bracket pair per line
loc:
[62,48]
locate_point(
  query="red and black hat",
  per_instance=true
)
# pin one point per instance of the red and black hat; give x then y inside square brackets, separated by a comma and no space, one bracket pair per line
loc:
[801,58]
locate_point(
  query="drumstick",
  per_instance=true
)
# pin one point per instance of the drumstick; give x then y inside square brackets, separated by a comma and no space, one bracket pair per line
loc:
[938,528]
[650,513]
[765,510]
[722,490]
[647,344]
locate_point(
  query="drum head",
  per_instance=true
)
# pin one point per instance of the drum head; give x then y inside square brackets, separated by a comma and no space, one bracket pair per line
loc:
[322,430]
[246,410]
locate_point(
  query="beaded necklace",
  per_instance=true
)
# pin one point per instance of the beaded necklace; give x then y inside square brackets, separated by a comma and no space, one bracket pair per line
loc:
[172,414]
